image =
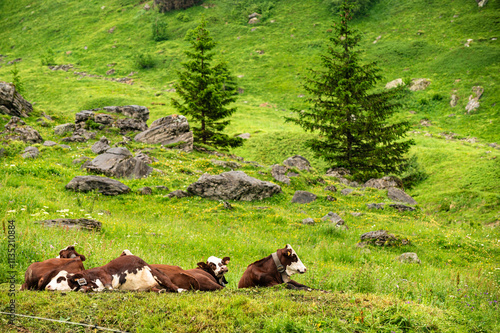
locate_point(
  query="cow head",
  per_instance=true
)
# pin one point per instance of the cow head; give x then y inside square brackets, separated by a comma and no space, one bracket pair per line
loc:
[70,252]
[65,281]
[218,265]
[291,261]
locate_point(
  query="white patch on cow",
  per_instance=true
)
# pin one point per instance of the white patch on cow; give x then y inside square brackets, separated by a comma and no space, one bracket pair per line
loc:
[220,268]
[100,285]
[58,257]
[296,266]
[61,286]
[180,290]
[126,253]
[140,281]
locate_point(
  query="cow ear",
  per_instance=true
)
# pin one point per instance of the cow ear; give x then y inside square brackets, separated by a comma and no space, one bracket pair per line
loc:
[225,260]
[201,264]
[82,257]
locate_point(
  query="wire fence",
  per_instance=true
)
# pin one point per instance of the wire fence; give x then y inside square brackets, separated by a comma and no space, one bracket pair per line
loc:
[65,322]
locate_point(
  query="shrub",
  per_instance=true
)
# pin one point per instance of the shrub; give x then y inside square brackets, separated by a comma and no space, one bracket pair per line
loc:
[16,80]
[144,60]
[168,5]
[47,58]
[159,29]
[183,17]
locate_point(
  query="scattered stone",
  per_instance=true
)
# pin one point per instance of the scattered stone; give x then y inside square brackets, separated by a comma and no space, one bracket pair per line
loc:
[169,130]
[100,146]
[333,217]
[253,20]
[130,124]
[278,173]
[30,152]
[394,83]
[375,42]
[382,238]
[227,205]
[338,172]
[375,206]
[308,221]
[103,185]
[132,111]
[303,197]
[145,158]
[398,195]
[292,174]
[425,122]
[226,164]
[244,136]
[147,7]
[111,30]
[2,152]
[478,91]
[419,84]
[61,67]
[472,105]
[402,208]
[145,190]
[384,182]
[233,185]
[83,223]
[254,15]
[409,258]
[346,191]
[356,214]
[493,145]
[162,188]
[20,131]
[178,194]
[111,71]
[49,143]
[64,146]
[81,159]
[298,162]
[467,44]
[330,198]
[454,100]
[64,128]
[12,103]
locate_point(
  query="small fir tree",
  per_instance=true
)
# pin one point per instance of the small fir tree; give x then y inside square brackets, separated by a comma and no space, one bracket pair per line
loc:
[206,91]
[350,118]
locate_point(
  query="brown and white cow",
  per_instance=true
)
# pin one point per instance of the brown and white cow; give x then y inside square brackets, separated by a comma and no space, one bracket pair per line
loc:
[274,269]
[127,272]
[207,276]
[39,274]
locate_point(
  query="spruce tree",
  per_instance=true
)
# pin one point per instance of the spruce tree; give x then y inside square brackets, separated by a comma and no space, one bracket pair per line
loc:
[206,90]
[350,117]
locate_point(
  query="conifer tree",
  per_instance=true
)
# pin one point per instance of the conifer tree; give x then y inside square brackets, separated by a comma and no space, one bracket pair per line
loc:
[350,117]
[206,90]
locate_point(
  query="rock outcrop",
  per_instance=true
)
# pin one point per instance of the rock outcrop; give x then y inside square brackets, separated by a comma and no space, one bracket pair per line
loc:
[279,173]
[20,131]
[169,130]
[233,185]
[119,162]
[384,183]
[102,185]
[298,162]
[83,223]
[381,238]
[398,195]
[303,197]
[12,103]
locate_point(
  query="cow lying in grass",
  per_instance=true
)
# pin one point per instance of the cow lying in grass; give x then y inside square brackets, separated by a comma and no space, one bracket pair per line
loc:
[274,269]
[39,274]
[207,276]
[124,273]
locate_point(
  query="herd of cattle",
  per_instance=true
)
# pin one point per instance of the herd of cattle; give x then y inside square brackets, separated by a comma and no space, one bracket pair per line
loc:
[129,272]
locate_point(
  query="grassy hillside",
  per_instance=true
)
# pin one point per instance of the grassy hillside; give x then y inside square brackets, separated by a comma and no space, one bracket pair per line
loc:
[455,231]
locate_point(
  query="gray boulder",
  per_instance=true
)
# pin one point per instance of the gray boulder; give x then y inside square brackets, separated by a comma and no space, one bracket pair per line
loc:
[31,152]
[64,128]
[473,104]
[169,130]
[303,197]
[226,164]
[375,206]
[402,208]
[145,190]
[298,162]
[331,188]
[338,172]
[398,195]
[346,191]
[382,238]
[394,83]
[419,84]
[244,136]
[384,183]
[83,223]
[133,111]
[453,100]
[233,185]
[12,103]
[309,221]
[334,219]
[100,146]
[409,258]
[178,194]
[18,130]
[118,162]
[49,143]
[102,185]
[278,172]
[103,118]
[130,124]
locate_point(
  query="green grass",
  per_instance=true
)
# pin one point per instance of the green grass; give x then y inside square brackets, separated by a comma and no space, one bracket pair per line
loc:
[454,231]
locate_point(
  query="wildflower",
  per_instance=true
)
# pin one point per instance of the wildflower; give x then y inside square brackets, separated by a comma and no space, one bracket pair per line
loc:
[11,211]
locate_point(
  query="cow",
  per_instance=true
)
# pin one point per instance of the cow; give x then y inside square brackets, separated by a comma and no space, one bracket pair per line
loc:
[207,276]
[274,269]
[127,272]
[39,274]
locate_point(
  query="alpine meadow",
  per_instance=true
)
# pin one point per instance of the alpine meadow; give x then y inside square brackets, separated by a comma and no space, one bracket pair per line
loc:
[186,132]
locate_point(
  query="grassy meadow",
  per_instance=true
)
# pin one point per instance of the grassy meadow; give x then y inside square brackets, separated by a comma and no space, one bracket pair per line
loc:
[455,229]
